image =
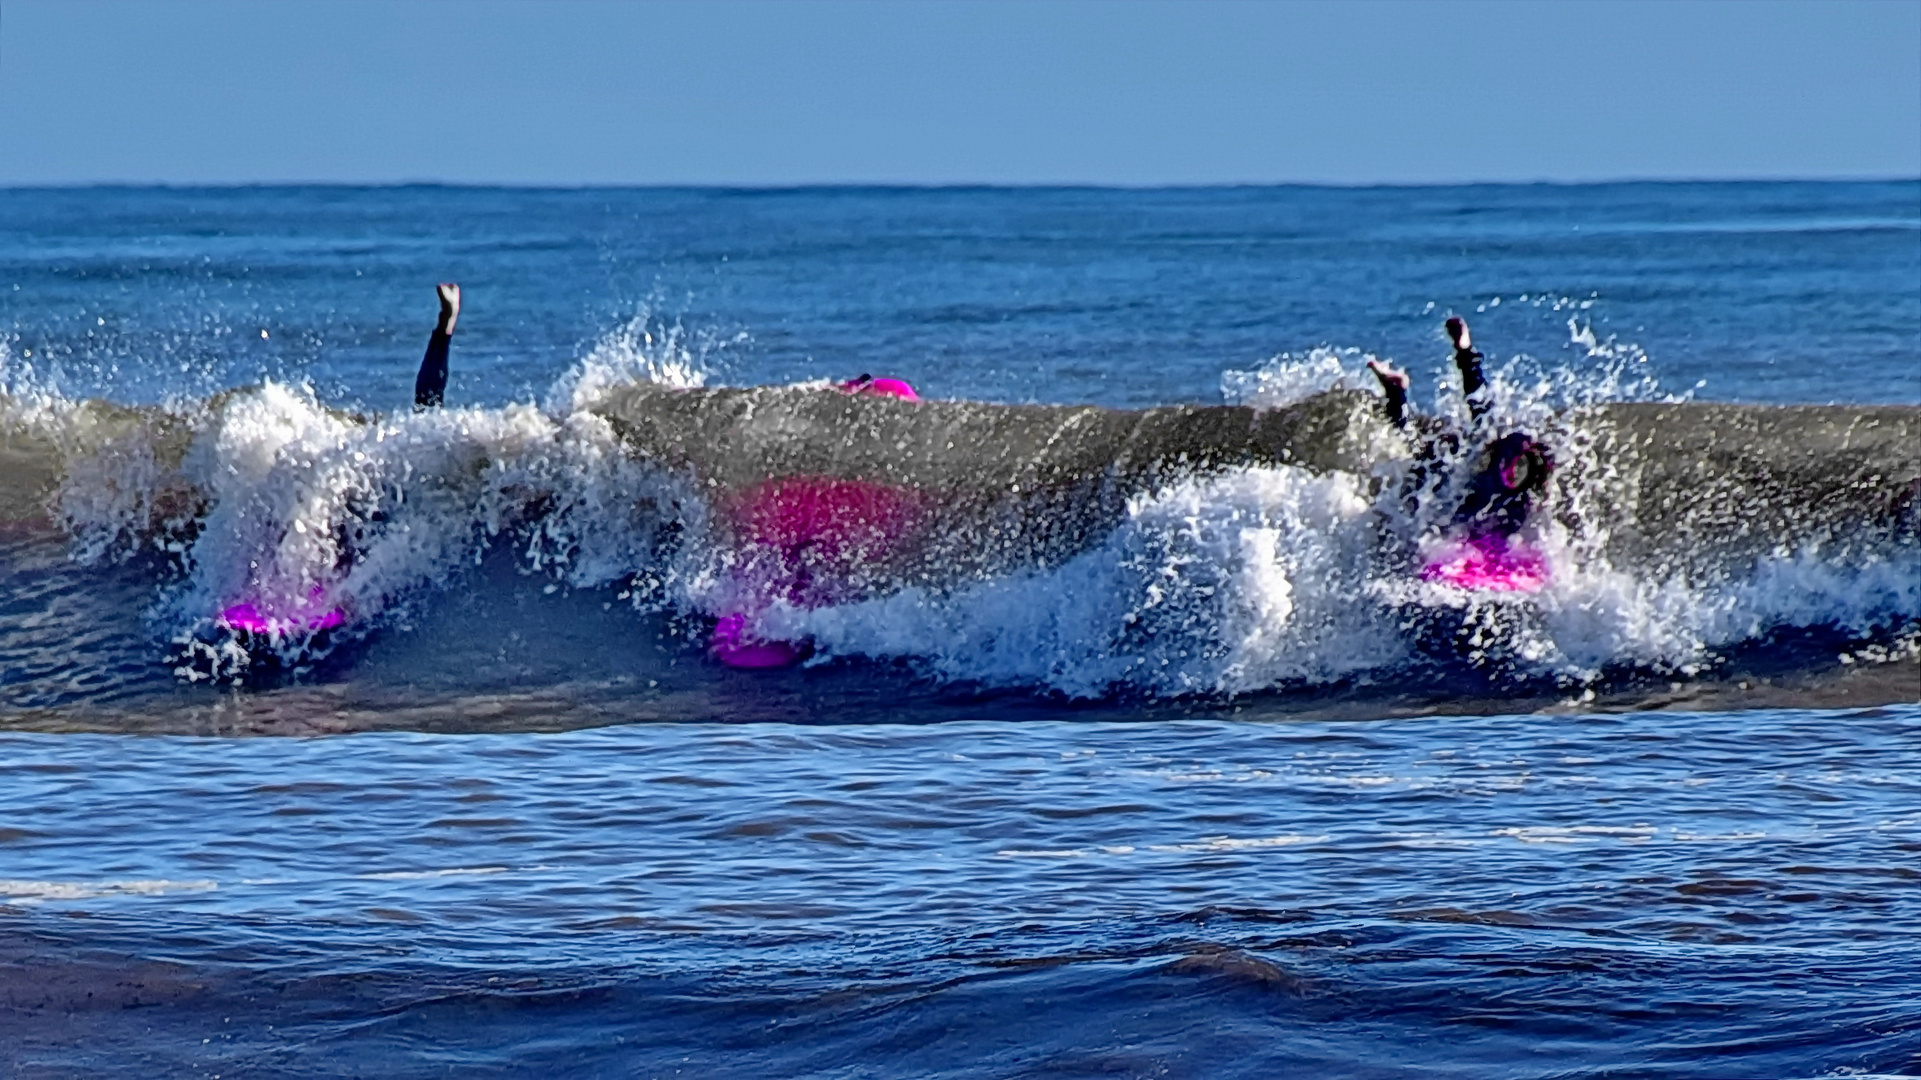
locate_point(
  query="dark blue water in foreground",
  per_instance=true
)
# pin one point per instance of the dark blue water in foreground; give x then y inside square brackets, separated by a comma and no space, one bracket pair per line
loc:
[1728,895]
[526,828]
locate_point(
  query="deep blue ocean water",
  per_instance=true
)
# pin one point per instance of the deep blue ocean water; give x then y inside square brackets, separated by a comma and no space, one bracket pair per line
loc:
[1190,803]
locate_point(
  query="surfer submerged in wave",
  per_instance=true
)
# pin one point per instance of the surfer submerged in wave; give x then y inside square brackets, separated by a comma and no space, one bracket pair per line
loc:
[1480,552]
[267,628]
[807,541]
[799,537]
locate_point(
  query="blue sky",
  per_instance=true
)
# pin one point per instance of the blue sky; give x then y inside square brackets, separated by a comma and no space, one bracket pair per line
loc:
[1114,92]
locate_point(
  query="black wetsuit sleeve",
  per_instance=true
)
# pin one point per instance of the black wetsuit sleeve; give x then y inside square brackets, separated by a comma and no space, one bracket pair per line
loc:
[431,384]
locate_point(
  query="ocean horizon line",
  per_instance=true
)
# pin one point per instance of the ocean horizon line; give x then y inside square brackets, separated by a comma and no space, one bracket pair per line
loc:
[917,186]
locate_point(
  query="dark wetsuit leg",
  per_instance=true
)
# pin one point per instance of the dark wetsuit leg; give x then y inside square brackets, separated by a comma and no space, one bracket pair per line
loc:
[431,384]
[1396,406]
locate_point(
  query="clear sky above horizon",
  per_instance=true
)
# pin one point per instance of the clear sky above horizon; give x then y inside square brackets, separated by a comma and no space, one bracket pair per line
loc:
[1113,92]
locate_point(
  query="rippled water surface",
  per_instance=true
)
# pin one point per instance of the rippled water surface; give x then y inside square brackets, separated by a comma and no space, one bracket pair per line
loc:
[1646,894]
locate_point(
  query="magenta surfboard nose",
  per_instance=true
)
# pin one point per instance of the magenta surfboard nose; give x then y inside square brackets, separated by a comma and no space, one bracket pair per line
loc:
[893,388]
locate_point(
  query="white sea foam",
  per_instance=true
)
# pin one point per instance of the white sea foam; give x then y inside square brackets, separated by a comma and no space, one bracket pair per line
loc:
[1228,583]
[1575,834]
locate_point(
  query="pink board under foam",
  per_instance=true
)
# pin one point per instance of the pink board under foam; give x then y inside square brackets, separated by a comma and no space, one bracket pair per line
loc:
[829,522]
[1487,564]
[732,646]
[307,618]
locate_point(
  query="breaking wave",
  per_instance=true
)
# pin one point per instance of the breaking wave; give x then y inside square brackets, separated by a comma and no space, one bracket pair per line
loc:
[1196,576]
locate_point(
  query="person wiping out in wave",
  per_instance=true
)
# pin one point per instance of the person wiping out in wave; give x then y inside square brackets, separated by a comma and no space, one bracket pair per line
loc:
[257,618]
[1511,477]
[806,541]
[800,538]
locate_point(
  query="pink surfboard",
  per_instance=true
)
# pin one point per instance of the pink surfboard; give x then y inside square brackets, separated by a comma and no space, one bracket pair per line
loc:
[1487,563]
[803,540]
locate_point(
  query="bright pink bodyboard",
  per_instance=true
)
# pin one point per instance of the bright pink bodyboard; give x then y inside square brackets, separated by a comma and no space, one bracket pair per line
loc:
[1487,563]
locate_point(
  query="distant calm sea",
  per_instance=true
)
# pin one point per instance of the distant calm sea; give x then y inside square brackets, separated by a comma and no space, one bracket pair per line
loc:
[1192,795]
